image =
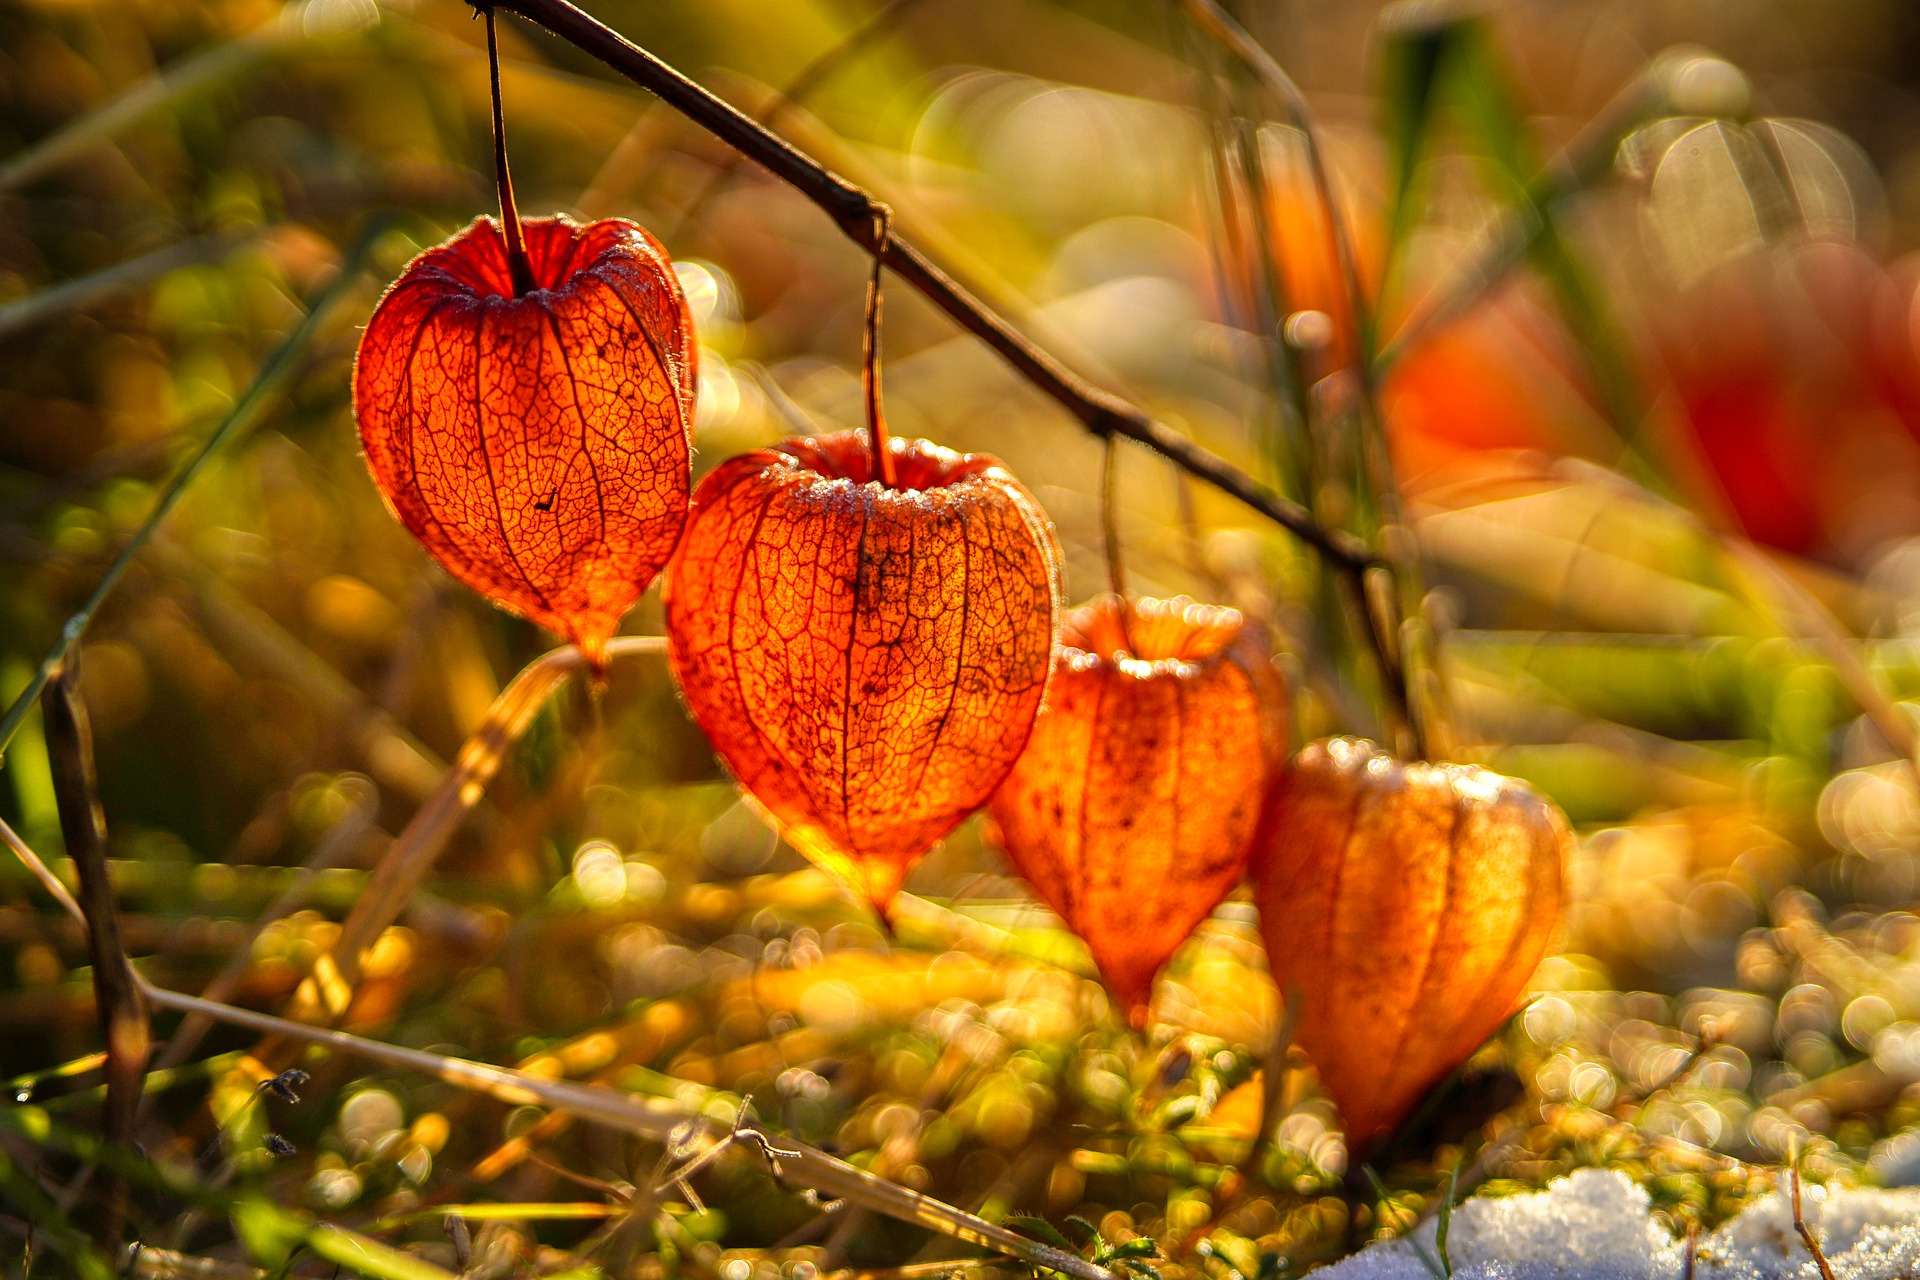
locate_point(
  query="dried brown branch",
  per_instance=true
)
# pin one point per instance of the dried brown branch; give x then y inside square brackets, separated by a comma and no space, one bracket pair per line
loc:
[124,1023]
[810,77]
[856,211]
[660,1120]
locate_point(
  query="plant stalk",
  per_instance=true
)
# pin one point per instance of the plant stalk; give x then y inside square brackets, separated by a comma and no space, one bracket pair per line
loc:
[517,263]
[883,465]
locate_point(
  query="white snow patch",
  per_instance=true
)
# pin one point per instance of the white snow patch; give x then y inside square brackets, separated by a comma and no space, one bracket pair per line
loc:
[1597,1225]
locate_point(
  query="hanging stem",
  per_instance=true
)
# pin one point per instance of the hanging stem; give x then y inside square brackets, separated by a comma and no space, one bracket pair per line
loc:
[517,263]
[883,467]
[1110,526]
[1110,517]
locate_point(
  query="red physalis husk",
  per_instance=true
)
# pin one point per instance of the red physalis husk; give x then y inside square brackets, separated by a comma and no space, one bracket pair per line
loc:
[1406,907]
[866,659]
[1133,809]
[536,445]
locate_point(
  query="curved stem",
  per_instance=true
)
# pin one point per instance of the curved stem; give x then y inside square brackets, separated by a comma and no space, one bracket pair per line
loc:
[517,263]
[883,468]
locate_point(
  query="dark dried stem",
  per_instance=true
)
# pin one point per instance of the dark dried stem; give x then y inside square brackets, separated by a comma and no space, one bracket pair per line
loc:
[121,1006]
[798,89]
[1110,518]
[517,263]
[853,210]
[883,468]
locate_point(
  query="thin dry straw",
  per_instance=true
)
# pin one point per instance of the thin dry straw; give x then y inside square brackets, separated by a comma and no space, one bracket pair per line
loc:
[412,853]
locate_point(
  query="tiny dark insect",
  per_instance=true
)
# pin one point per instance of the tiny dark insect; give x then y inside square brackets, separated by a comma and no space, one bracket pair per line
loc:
[283,1085]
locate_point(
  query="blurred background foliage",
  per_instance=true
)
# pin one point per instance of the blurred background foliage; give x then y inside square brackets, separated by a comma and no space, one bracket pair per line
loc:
[1661,483]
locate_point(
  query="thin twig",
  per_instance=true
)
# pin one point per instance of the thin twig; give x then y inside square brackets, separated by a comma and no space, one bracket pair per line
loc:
[41,872]
[658,1120]
[1806,1232]
[798,89]
[876,413]
[124,1023]
[273,371]
[853,209]
[517,264]
[1110,531]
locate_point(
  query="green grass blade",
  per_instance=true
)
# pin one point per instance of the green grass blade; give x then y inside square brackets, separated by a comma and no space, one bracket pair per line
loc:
[1414,58]
[170,86]
[1445,1224]
[72,295]
[273,373]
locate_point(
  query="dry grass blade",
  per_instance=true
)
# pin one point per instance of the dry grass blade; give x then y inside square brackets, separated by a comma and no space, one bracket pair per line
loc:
[1381,633]
[333,849]
[659,1121]
[412,853]
[42,872]
[71,295]
[1798,613]
[122,1010]
[1804,616]
[1220,25]
[1584,159]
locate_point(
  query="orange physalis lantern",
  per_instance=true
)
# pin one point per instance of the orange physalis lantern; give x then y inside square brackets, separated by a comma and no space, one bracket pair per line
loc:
[536,439]
[867,659]
[1134,807]
[1406,906]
